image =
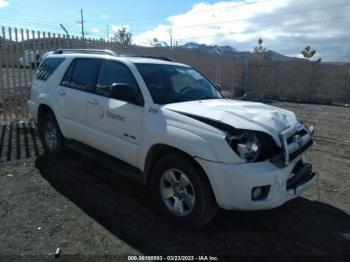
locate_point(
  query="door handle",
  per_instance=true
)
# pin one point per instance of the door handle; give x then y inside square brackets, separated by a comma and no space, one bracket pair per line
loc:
[61,92]
[93,101]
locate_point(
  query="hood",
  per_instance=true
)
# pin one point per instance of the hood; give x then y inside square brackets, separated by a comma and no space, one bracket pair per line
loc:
[240,114]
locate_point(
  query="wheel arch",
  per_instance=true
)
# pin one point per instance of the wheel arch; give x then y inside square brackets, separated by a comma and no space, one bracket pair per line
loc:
[45,108]
[157,151]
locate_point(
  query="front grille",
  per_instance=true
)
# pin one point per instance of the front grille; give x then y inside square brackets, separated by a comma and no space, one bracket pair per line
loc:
[301,133]
[295,140]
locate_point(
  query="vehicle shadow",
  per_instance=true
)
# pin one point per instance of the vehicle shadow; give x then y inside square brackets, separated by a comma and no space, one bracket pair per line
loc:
[125,209]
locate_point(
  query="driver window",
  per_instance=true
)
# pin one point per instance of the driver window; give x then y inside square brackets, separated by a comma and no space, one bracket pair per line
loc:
[113,72]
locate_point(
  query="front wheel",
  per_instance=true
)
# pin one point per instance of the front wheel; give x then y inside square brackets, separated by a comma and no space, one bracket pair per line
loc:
[182,192]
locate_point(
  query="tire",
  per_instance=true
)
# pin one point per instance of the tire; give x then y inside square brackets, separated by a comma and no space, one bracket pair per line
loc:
[51,136]
[191,205]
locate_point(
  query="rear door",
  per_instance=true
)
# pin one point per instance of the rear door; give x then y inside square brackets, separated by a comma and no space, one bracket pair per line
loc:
[114,125]
[77,82]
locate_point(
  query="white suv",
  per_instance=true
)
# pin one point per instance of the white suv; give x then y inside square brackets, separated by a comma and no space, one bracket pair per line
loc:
[168,126]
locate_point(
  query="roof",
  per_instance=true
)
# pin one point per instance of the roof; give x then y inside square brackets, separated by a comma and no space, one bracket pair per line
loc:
[107,54]
[145,60]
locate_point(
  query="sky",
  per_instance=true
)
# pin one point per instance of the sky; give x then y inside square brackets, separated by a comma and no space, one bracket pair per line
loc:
[286,26]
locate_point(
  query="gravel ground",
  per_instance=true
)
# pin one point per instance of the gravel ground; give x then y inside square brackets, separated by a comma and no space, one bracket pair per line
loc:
[90,213]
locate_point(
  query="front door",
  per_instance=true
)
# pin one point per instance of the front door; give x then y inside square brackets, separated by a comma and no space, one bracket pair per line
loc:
[114,126]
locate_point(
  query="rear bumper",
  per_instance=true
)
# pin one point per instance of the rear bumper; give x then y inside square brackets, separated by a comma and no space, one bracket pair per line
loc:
[233,183]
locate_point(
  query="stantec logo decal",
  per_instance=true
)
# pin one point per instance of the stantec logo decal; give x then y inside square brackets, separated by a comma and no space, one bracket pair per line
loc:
[101,113]
[115,116]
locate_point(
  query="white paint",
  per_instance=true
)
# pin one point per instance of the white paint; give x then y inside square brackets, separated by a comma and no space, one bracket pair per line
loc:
[230,177]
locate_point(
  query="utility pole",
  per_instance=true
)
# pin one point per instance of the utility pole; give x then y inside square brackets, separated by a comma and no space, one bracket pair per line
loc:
[171,36]
[82,21]
[107,33]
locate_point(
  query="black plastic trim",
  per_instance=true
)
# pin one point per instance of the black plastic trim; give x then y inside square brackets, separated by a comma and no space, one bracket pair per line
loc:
[303,173]
[300,150]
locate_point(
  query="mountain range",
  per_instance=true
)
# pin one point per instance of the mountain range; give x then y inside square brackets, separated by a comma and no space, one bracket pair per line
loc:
[229,50]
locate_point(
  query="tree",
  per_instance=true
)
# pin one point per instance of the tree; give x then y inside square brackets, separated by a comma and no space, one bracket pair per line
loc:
[156,43]
[308,52]
[260,51]
[122,37]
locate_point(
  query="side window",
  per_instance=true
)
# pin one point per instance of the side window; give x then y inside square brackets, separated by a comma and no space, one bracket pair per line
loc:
[81,74]
[113,72]
[66,81]
[47,67]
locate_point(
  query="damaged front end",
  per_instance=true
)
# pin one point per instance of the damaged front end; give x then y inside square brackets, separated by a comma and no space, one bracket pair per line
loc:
[295,141]
[255,146]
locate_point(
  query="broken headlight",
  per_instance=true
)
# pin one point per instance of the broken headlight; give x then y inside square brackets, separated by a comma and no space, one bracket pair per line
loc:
[246,145]
[253,146]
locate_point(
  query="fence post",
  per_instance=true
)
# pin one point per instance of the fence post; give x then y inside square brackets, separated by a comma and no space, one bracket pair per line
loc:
[348,85]
[233,78]
[19,90]
[13,97]
[2,83]
[245,69]
[217,68]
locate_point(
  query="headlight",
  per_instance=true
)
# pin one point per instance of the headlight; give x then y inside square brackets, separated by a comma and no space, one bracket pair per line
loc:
[246,145]
[253,146]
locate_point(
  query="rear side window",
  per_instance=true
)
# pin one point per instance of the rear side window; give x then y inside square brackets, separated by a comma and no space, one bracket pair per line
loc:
[81,74]
[47,67]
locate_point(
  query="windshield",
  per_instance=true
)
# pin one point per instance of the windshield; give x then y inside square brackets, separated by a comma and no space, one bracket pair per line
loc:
[171,83]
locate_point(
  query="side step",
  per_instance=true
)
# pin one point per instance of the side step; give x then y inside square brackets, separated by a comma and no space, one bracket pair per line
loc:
[112,163]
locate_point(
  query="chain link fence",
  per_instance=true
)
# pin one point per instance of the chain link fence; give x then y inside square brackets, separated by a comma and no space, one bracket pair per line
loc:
[21,52]
[299,80]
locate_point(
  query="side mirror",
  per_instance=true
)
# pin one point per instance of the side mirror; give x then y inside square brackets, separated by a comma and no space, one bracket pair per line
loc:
[124,92]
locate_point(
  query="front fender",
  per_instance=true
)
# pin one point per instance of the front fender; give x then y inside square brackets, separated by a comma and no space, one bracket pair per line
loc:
[180,139]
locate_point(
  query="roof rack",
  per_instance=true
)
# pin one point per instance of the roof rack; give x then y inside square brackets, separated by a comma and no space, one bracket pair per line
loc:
[153,57]
[85,51]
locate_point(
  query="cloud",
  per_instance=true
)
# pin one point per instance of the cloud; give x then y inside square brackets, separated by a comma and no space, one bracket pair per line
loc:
[286,26]
[4,3]
[104,17]
[95,30]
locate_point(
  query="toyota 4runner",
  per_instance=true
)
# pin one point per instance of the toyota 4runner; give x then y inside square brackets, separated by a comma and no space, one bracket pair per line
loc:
[167,125]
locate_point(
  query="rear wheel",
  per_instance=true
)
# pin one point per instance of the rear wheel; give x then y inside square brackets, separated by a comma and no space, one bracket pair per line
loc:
[51,136]
[182,192]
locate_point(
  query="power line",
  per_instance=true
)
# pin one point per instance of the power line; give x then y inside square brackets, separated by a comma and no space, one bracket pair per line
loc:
[256,31]
[30,18]
[42,10]
[193,12]
[49,24]
[265,16]
[34,23]
[254,18]
[32,27]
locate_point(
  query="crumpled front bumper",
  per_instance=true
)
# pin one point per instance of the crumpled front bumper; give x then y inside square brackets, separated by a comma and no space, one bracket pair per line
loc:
[232,184]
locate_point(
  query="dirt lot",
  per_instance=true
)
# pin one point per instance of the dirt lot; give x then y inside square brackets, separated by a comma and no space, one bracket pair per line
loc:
[87,211]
